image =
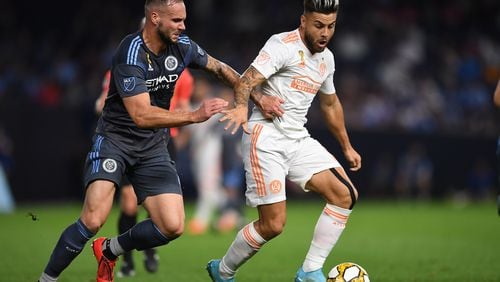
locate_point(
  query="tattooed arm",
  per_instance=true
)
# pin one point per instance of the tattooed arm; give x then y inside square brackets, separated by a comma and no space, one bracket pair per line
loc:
[269,105]
[245,88]
[223,72]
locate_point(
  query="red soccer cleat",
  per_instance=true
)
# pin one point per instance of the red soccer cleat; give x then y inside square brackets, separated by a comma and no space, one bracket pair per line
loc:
[105,266]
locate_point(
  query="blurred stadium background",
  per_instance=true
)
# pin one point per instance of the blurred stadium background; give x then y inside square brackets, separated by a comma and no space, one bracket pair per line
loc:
[416,79]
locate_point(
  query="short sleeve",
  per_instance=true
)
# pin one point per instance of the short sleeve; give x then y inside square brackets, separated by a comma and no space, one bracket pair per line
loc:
[129,80]
[272,57]
[328,87]
[198,58]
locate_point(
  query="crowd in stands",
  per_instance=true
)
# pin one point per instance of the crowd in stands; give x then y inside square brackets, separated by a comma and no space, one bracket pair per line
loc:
[416,67]
[411,66]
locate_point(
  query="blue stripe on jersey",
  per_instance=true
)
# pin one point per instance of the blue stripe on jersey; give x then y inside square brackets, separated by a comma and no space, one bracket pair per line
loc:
[134,55]
[133,48]
[94,155]
[184,39]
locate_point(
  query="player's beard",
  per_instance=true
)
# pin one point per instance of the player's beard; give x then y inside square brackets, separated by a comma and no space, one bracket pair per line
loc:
[310,44]
[163,36]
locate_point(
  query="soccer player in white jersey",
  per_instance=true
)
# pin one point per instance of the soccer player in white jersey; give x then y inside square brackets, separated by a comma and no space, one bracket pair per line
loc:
[292,68]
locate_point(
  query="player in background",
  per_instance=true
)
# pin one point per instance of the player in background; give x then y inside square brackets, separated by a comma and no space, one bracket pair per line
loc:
[496,101]
[233,173]
[128,200]
[293,66]
[216,167]
[130,140]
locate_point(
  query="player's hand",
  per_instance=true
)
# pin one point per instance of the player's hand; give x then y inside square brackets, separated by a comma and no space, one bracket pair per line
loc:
[353,158]
[235,118]
[208,108]
[270,106]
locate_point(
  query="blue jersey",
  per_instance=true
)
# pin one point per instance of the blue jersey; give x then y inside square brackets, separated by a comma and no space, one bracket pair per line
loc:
[135,70]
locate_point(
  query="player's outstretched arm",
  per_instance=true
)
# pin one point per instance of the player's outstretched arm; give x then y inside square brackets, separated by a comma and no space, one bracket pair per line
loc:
[145,115]
[334,116]
[270,106]
[222,71]
[496,96]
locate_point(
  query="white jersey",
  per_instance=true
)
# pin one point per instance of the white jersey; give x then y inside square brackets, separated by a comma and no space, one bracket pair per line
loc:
[295,75]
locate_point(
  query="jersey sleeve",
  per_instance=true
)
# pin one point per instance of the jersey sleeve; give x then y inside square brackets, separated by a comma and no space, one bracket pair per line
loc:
[196,57]
[272,57]
[129,80]
[328,87]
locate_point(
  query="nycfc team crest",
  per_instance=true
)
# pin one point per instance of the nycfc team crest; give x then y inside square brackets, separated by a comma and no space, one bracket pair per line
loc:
[109,165]
[129,84]
[171,63]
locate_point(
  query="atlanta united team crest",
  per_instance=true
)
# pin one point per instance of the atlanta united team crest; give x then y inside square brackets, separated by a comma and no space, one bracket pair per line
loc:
[171,63]
[109,165]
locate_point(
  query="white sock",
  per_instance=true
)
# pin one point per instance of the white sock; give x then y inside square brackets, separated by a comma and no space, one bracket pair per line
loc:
[244,246]
[47,278]
[330,225]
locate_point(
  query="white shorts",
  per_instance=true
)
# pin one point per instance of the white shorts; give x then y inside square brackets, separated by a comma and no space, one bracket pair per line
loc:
[270,157]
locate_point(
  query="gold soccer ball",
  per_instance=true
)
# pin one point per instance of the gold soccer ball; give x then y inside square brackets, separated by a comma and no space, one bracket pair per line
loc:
[348,272]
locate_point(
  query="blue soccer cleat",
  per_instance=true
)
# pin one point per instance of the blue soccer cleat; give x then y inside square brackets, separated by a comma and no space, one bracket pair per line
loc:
[312,276]
[213,271]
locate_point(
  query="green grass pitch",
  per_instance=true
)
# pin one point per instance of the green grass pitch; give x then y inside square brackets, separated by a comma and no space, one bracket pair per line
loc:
[393,241]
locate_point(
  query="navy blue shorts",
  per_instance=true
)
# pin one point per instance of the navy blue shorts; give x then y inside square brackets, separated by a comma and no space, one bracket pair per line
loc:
[150,173]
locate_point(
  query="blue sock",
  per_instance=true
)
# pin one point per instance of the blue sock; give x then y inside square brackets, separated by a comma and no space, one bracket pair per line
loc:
[70,244]
[144,235]
[125,222]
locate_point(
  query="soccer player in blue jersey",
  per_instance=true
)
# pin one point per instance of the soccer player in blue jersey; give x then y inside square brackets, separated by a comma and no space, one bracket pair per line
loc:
[130,140]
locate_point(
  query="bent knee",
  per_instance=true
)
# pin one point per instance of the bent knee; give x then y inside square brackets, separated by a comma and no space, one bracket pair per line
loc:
[172,231]
[347,198]
[272,228]
[93,224]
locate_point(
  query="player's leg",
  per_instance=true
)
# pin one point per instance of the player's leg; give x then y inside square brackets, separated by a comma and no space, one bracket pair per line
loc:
[103,170]
[232,211]
[126,220]
[265,176]
[334,187]
[207,170]
[253,236]
[96,208]
[166,224]
[157,187]
[318,171]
